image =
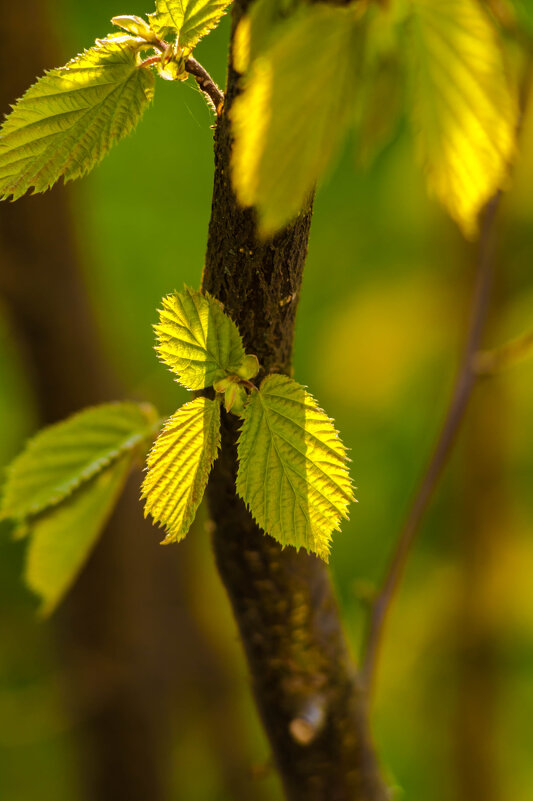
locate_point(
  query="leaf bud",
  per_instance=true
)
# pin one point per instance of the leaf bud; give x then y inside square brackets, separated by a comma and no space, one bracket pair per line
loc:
[249,367]
[223,383]
[235,398]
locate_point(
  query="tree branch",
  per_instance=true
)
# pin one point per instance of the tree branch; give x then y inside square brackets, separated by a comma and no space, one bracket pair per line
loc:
[461,394]
[206,83]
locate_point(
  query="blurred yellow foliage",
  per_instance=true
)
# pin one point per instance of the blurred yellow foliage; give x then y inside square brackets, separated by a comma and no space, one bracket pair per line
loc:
[373,345]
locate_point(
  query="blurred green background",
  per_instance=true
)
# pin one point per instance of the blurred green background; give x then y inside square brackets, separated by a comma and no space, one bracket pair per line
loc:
[380,324]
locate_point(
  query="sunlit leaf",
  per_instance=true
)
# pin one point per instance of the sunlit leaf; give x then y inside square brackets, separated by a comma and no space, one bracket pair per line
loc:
[66,122]
[258,27]
[189,20]
[464,112]
[293,113]
[197,340]
[381,100]
[179,465]
[61,457]
[293,473]
[135,26]
[62,537]
[381,112]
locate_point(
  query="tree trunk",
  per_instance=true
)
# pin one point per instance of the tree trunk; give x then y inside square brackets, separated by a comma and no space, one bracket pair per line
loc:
[305,685]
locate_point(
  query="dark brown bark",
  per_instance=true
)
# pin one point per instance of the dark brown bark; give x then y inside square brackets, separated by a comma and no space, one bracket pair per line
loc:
[303,678]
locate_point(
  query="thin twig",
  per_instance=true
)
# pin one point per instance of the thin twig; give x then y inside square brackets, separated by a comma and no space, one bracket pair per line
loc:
[202,77]
[466,379]
[149,61]
[206,83]
[462,392]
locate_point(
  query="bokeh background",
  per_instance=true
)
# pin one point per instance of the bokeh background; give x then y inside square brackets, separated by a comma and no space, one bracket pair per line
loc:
[136,688]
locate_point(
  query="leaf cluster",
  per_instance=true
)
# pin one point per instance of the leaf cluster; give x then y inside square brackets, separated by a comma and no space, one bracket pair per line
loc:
[311,72]
[292,471]
[70,118]
[63,487]
[315,71]
[292,475]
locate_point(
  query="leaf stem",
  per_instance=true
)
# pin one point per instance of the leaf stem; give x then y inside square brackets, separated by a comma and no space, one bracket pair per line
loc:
[464,384]
[202,77]
[149,61]
[249,384]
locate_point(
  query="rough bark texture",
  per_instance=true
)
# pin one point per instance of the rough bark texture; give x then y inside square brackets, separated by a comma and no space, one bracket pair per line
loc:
[303,679]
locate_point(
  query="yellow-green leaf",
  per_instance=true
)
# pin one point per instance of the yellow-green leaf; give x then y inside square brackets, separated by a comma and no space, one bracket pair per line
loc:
[66,122]
[135,26]
[63,537]
[64,455]
[382,97]
[464,112]
[179,465]
[188,20]
[293,473]
[258,27]
[293,113]
[197,340]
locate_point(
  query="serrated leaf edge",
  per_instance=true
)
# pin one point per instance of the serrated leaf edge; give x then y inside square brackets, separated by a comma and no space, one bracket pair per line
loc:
[96,467]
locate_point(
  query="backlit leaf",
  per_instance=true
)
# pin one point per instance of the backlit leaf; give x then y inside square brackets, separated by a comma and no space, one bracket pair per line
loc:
[381,100]
[258,27]
[189,20]
[464,112]
[135,26]
[380,110]
[67,121]
[179,465]
[293,473]
[63,537]
[197,340]
[61,457]
[293,113]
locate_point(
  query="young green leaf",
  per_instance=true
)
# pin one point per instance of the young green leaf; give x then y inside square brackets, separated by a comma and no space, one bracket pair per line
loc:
[63,537]
[258,28]
[61,457]
[380,110]
[66,122]
[136,26]
[464,112]
[179,465]
[197,340]
[293,113]
[293,473]
[382,97]
[188,20]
